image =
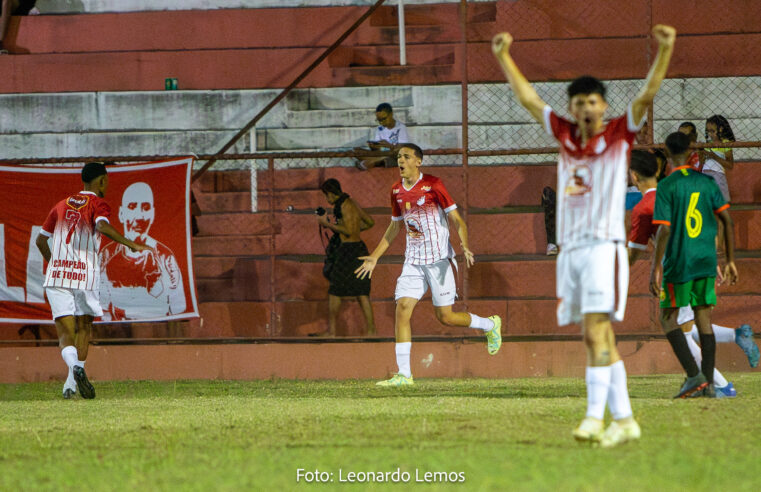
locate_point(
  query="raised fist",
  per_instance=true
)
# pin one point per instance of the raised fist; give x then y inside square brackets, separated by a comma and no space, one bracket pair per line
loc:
[664,34]
[501,43]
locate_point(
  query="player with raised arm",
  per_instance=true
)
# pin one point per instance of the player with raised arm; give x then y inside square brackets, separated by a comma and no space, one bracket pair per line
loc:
[592,271]
[72,277]
[421,204]
[685,260]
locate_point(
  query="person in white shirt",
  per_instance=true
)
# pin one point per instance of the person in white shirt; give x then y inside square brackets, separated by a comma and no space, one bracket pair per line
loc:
[592,268]
[388,136]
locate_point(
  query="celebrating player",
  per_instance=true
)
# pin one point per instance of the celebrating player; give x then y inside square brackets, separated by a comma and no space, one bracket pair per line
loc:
[685,204]
[643,169]
[73,273]
[423,204]
[591,267]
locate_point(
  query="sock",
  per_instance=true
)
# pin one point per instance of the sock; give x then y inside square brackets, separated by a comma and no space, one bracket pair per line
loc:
[481,323]
[682,352]
[403,358]
[618,393]
[70,382]
[69,355]
[708,349]
[81,363]
[718,378]
[694,333]
[598,384]
[723,334]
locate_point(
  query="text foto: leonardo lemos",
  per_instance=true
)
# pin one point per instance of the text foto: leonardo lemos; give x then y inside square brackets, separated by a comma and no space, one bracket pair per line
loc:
[396,476]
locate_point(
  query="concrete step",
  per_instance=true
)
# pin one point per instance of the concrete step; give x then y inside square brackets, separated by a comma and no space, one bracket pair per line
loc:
[349,97]
[358,56]
[359,118]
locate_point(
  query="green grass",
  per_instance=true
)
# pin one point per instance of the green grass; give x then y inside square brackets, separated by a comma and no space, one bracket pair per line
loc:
[502,434]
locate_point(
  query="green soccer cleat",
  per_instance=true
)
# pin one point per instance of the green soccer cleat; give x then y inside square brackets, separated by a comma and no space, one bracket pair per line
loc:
[619,433]
[396,380]
[590,430]
[494,336]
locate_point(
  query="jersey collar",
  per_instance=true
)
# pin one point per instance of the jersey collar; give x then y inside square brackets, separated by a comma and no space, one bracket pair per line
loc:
[415,184]
[686,166]
[649,190]
[87,193]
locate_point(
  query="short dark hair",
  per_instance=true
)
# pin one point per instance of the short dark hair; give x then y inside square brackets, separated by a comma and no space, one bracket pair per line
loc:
[677,143]
[415,149]
[331,186]
[586,85]
[93,170]
[690,125]
[384,107]
[644,163]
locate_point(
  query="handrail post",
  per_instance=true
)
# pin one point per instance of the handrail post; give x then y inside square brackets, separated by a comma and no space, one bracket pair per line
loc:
[402,35]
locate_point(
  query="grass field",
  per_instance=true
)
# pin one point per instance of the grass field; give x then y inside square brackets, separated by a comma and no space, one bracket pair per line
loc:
[499,434]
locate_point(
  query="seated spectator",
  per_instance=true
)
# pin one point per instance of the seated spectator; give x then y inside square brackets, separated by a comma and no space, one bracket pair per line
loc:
[13,7]
[389,134]
[718,160]
[342,253]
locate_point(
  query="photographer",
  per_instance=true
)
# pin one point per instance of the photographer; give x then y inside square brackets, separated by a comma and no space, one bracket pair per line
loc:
[342,252]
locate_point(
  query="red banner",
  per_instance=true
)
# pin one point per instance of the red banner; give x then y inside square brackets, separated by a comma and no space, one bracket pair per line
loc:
[150,203]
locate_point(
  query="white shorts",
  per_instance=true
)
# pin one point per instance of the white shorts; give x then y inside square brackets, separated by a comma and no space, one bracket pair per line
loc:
[592,279]
[440,276]
[73,302]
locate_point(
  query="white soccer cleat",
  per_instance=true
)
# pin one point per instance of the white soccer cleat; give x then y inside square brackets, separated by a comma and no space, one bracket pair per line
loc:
[619,433]
[590,430]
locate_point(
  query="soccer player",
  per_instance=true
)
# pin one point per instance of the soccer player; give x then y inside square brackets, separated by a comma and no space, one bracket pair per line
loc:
[73,273]
[592,271]
[685,260]
[643,170]
[422,204]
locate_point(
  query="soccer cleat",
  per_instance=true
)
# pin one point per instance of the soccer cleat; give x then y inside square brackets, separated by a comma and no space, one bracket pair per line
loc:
[744,338]
[68,394]
[552,249]
[619,433]
[494,336]
[727,391]
[85,388]
[708,392]
[695,384]
[590,430]
[396,380]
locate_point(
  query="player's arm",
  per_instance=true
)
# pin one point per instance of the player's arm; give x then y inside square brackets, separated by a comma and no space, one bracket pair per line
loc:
[523,90]
[656,272]
[665,36]
[108,230]
[462,231]
[727,162]
[634,253]
[730,270]
[42,245]
[369,262]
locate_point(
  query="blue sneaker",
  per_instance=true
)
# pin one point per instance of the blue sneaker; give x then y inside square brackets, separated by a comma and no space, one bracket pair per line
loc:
[727,391]
[744,339]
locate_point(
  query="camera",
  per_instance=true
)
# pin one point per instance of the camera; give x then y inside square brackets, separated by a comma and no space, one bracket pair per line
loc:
[319,211]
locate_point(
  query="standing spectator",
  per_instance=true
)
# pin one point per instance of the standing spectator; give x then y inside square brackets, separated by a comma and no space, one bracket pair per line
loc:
[718,160]
[343,257]
[389,134]
[689,129]
[13,7]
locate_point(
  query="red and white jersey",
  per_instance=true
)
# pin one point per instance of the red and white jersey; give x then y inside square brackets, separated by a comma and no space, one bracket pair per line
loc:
[74,260]
[424,209]
[642,221]
[591,195]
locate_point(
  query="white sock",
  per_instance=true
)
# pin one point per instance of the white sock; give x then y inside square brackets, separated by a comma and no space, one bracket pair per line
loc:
[723,334]
[598,384]
[618,394]
[70,382]
[693,333]
[719,381]
[480,323]
[403,358]
[69,355]
[81,363]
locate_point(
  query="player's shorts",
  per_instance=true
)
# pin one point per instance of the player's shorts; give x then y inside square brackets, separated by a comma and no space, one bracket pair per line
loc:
[592,279]
[440,276]
[697,292]
[73,302]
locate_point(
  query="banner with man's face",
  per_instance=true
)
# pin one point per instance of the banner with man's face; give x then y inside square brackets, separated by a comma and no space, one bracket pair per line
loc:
[150,204]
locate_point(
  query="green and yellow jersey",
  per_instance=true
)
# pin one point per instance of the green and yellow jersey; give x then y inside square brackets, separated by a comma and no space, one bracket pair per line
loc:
[687,201]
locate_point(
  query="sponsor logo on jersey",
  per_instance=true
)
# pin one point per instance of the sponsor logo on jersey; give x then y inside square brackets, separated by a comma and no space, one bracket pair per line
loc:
[77,201]
[413,228]
[421,201]
[426,188]
[396,191]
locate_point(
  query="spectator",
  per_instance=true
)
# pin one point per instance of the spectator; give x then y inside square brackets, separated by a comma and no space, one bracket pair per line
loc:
[548,205]
[689,129]
[718,160]
[342,257]
[9,8]
[389,134]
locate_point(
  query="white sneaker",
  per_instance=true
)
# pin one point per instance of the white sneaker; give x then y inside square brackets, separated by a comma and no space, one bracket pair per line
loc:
[552,249]
[590,429]
[619,433]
